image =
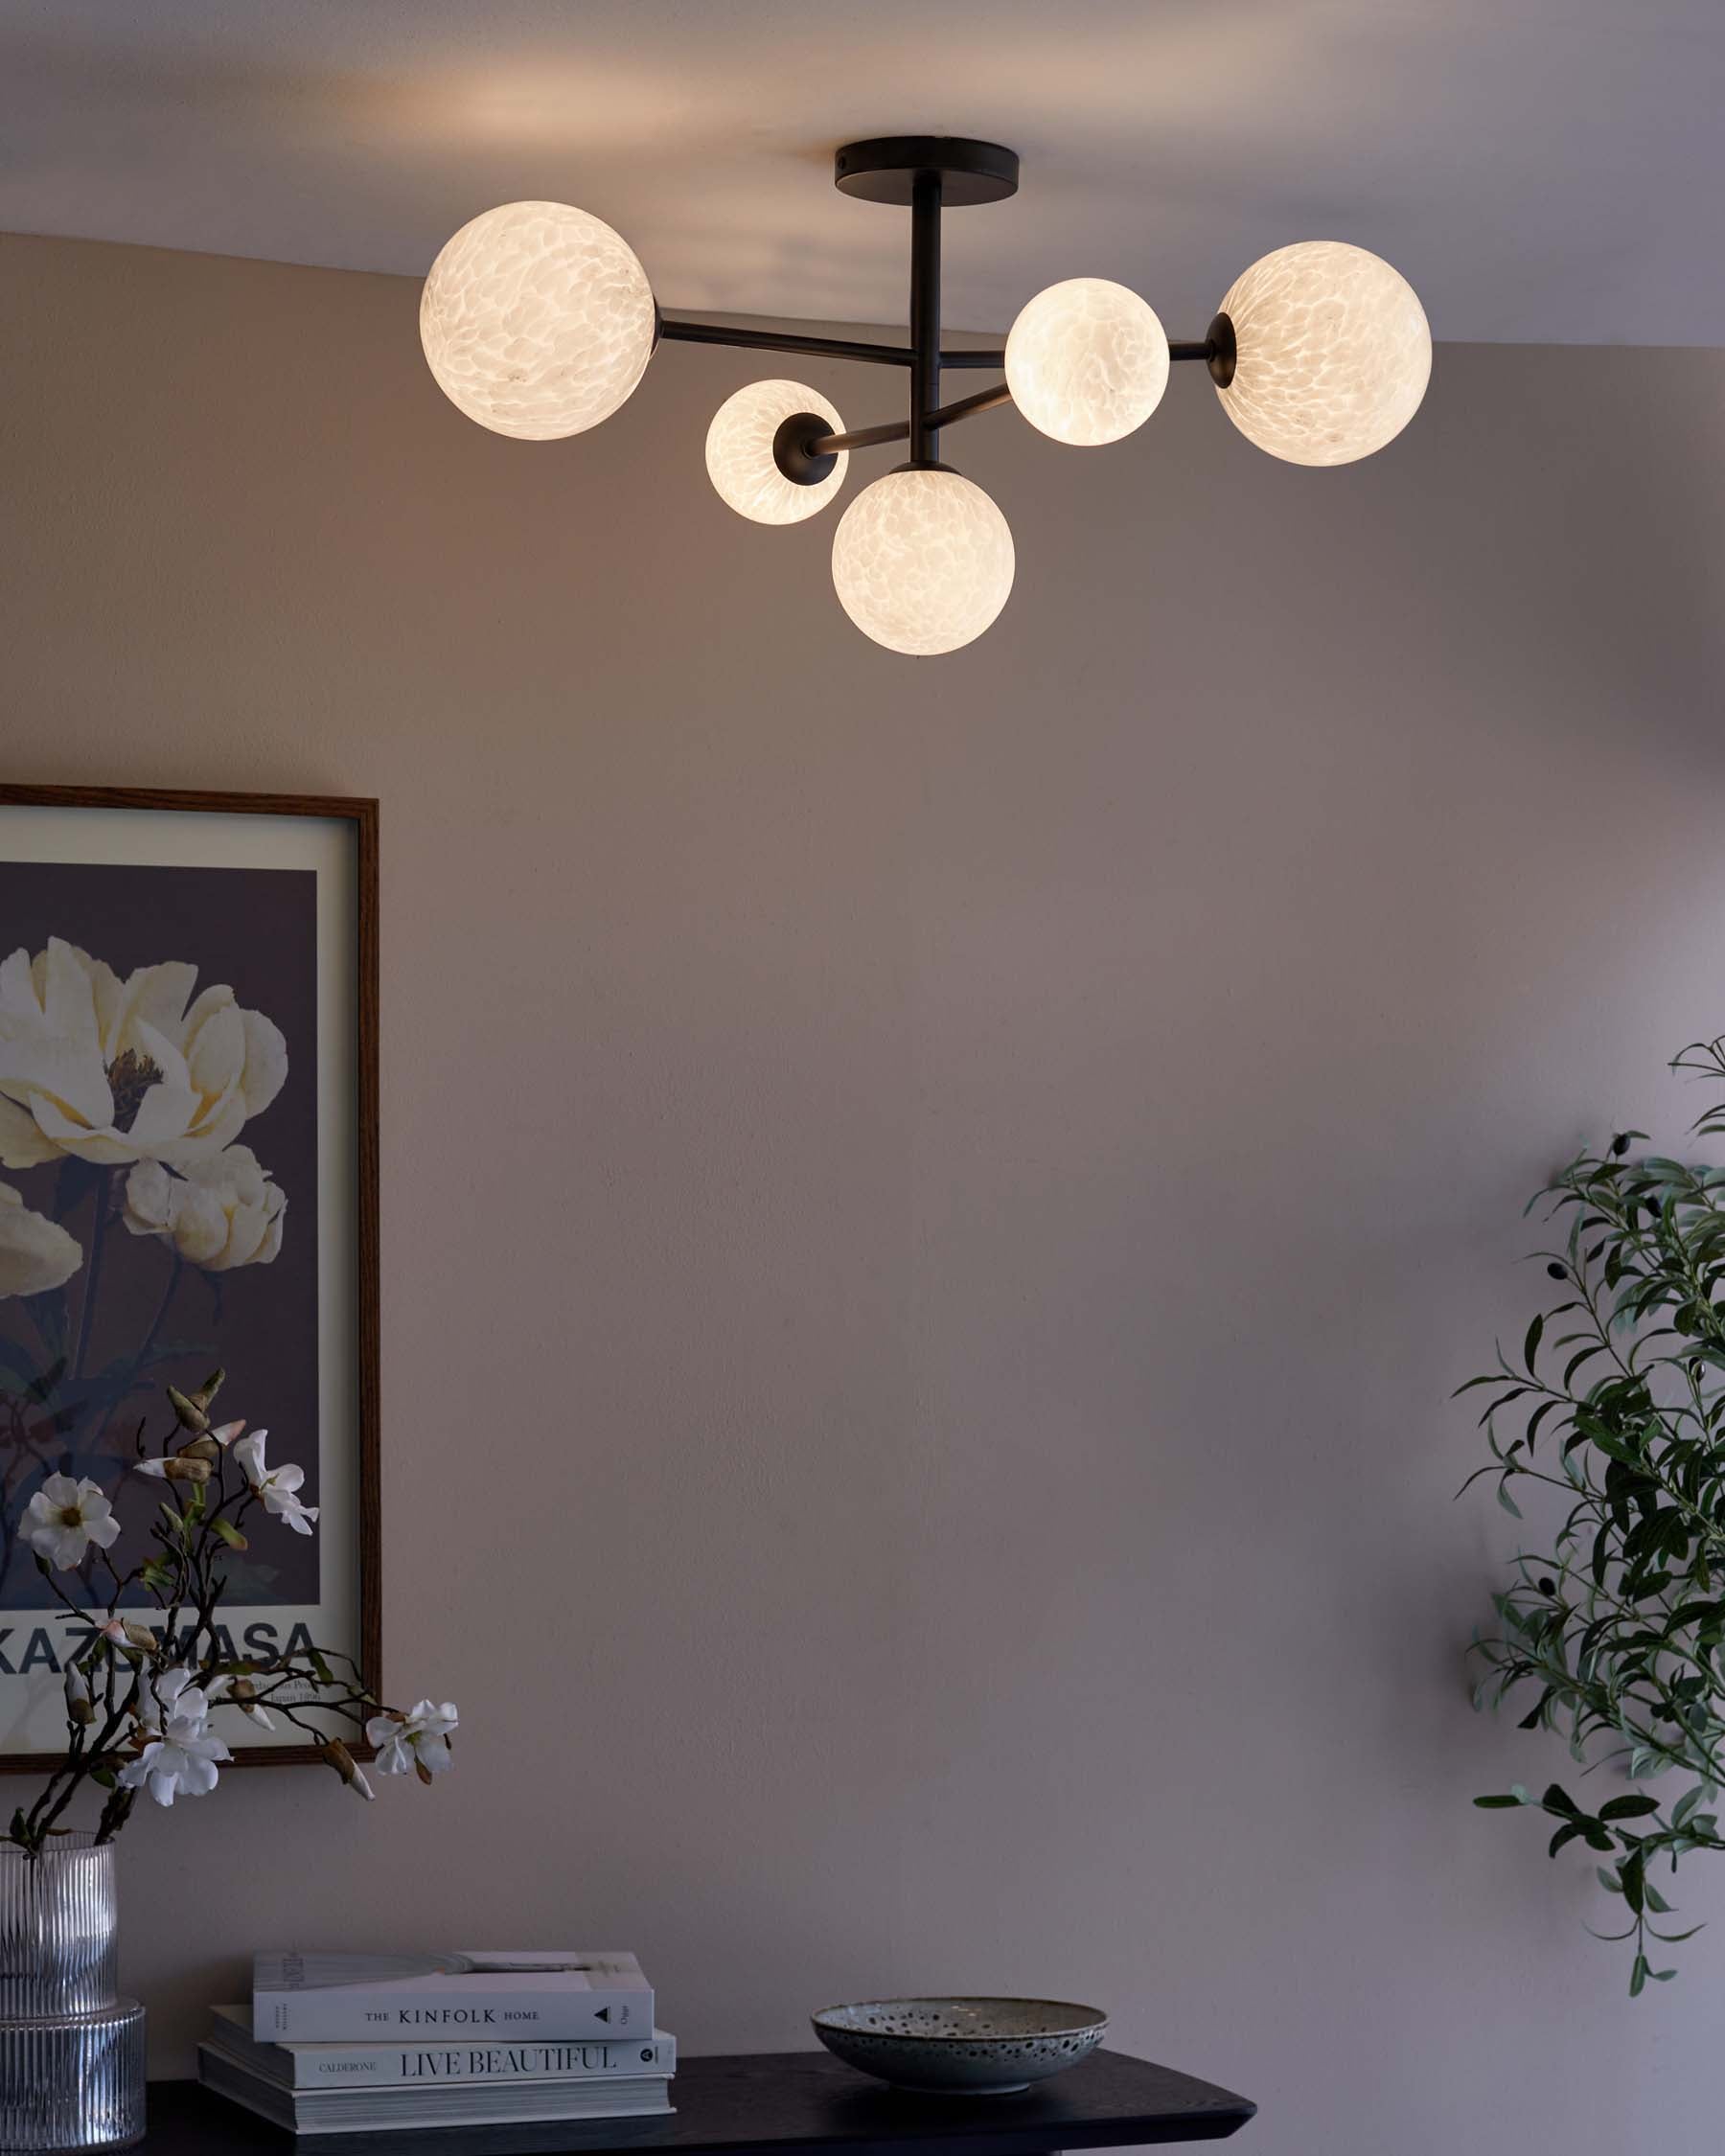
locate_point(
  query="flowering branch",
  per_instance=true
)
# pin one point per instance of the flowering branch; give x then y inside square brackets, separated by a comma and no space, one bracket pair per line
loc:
[142,1697]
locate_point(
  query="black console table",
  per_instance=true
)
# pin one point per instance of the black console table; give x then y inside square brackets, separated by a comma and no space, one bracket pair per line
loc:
[783,2103]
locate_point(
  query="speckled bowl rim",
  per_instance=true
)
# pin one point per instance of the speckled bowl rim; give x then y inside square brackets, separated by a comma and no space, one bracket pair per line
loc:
[1093,2019]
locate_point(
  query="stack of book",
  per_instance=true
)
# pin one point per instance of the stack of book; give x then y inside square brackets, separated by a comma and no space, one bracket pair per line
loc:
[354,2043]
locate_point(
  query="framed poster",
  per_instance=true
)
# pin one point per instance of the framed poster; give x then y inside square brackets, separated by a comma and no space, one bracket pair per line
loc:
[187,1181]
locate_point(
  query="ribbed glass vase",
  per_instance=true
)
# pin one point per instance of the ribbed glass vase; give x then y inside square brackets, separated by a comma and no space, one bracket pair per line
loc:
[71,2049]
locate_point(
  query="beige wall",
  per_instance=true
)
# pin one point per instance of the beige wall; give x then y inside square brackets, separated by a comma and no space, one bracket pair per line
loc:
[932,1209]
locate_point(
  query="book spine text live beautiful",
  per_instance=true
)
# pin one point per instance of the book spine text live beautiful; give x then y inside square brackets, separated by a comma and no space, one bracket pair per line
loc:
[340,2065]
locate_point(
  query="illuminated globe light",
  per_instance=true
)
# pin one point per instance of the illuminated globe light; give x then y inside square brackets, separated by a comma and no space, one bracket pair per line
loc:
[739,452]
[537,320]
[1087,361]
[1333,353]
[922,560]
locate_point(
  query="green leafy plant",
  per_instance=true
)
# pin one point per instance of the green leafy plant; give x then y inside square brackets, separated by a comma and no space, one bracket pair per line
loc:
[1619,1404]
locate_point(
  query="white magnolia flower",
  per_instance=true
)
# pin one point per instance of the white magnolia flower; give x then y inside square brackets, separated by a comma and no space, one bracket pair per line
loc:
[115,1071]
[171,1692]
[64,1517]
[35,1252]
[218,1212]
[421,1740]
[278,1486]
[180,1755]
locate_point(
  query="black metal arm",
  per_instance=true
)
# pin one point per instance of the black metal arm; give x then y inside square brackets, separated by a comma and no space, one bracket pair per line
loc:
[684,329]
[802,449]
[899,430]
[925,175]
[672,330]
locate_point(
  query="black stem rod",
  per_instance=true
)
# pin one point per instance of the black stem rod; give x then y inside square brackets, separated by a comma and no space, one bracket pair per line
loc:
[858,438]
[925,316]
[688,332]
[782,340]
[966,407]
[897,430]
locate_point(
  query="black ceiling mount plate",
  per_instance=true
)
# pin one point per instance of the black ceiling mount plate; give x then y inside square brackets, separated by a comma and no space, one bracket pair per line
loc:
[884,169]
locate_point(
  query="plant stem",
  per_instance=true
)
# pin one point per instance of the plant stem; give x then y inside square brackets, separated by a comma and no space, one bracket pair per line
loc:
[155,1323]
[93,1278]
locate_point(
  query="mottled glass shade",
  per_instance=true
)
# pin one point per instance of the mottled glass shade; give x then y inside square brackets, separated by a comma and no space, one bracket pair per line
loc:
[1334,353]
[537,320]
[739,453]
[1087,361]
[922,561]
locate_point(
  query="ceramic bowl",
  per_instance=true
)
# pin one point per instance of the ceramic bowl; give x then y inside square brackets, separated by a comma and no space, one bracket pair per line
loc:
[962,2047]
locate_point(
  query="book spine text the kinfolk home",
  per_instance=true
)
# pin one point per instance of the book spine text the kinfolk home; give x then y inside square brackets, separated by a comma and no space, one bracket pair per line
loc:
[338,1999]
[335,2066]
[331,2018]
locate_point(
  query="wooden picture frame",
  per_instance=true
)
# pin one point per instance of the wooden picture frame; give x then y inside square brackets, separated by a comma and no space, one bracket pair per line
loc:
[204,865]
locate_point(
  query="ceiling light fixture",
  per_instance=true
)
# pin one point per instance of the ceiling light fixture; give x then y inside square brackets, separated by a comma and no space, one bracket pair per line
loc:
[537,322]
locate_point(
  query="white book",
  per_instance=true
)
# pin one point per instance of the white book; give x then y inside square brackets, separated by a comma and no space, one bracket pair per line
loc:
[559,1996]
[425,2063]
[483,2103]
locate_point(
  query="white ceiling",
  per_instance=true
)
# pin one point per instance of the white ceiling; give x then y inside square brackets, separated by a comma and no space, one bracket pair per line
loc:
[1542,170]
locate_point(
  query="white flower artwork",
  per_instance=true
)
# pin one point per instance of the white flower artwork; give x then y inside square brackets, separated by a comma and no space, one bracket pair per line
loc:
[188,1011]
[113,1071]
[122,1099]
[218,1213]
[35,1252]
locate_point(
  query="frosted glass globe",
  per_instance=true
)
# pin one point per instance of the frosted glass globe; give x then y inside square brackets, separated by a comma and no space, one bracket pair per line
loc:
[739,452]
[1334,353]
[537,320]
[922,560]
[1087,361]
